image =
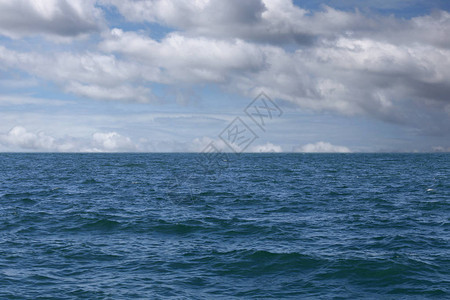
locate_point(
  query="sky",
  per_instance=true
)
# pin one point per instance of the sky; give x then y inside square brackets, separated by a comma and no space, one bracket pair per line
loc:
[238,76]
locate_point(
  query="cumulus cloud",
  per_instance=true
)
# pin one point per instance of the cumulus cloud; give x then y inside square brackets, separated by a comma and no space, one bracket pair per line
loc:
[275,21]
[181,14]
[91,75]
[280,21]
[111,142]
[178,58]
[267,147]
[322,147]
[440,149]
[20,139]
[56,18]
[251,19]
[203,144]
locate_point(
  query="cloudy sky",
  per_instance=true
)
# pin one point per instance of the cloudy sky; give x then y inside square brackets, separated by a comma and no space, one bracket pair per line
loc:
[173,75]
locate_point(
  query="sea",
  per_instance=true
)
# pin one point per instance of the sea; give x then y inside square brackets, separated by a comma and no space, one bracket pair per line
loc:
[231,226]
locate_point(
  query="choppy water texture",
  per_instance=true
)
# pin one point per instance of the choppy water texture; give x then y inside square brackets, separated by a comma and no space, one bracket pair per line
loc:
[107,226]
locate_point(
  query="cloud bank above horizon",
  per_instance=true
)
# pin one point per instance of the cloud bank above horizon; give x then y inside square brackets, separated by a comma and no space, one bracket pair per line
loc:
[101,63]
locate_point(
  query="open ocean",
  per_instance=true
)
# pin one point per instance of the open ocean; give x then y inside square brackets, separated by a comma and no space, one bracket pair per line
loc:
[256,226]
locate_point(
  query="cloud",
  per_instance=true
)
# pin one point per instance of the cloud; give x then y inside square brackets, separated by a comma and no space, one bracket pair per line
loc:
[8,100]
[123,92]
[55,18]
[335,61]
[91,75]
[178,58]
[181,14]
[111,142]
[280,21]
[322,147]
[351,76]
[267,147]
[440,149]
[395,83]
[20,139]
[203,145]
[272,21]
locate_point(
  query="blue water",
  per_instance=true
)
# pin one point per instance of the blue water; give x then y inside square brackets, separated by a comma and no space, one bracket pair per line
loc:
[158,226]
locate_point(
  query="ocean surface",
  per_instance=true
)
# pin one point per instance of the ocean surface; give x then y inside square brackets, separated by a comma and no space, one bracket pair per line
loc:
[250,226]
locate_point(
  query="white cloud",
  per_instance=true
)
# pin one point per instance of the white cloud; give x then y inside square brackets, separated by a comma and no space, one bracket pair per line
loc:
[322,147]
[203,144]
[267,147]
[91,75]
[20,139]
[54,18]
[440,149]
[178,58]
[111,142]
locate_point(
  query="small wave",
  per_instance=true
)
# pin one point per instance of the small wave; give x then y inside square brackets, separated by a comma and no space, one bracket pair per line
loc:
[251,262]
[179,228]
[133,166]
[90,181]
[28,201]
[103,224]
[17,195]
